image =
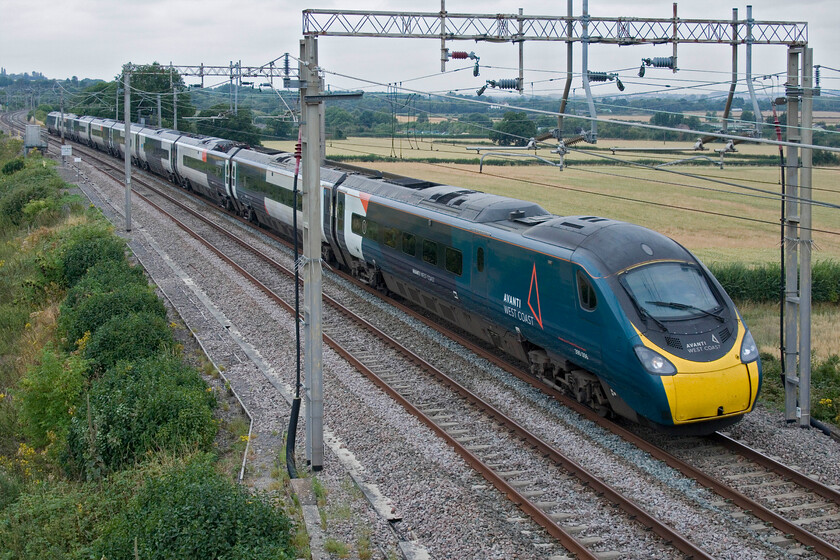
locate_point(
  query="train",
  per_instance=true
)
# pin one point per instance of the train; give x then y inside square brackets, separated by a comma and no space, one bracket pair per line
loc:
[622,318]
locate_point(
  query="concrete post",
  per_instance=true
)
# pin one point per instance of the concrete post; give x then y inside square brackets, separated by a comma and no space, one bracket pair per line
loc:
[792,239]
[312,312]
[805,243]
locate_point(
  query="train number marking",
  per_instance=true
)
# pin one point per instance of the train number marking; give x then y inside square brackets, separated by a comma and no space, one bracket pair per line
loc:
[581,354]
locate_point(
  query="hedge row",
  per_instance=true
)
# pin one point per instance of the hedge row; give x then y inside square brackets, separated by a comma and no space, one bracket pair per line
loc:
[114,389]
[763,283]
[109,400]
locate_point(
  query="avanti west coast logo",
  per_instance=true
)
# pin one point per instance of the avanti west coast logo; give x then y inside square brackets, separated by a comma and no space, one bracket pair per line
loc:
[513,305]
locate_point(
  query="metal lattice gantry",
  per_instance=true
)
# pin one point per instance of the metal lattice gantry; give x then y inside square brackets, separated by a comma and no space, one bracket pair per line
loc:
[506,28]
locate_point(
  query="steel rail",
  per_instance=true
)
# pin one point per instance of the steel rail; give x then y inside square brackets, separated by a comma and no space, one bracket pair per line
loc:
[782,470]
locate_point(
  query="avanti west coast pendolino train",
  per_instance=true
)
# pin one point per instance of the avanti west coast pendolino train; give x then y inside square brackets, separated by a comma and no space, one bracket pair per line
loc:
[621,317]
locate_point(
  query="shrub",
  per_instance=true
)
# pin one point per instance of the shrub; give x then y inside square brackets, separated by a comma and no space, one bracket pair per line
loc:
[9,490]
[94,311]
[56,519]
[83,254]
[49,394]
[763,283]
[65,256]
[104,276]
[13,166]
[157,403]
[128,337]
[194,512]
[14,201]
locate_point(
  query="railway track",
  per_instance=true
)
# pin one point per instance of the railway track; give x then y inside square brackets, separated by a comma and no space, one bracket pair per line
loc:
[522,485]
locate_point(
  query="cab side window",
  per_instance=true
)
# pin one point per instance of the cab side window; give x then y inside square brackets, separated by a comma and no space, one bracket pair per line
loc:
[586,293]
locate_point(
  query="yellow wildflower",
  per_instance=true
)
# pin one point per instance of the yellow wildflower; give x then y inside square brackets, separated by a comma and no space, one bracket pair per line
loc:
[244,438]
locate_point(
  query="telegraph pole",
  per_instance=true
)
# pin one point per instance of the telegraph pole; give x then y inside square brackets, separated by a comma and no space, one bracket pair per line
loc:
[311,104]
[127,109]
[61,124]
[174,99]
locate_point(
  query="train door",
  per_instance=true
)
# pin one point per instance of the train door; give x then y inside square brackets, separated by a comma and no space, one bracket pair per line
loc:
[478,269]
[326,211]
[331,218]
[589,311]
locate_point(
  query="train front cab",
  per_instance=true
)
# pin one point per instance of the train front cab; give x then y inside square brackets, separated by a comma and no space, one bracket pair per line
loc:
[694,345]
[720,390]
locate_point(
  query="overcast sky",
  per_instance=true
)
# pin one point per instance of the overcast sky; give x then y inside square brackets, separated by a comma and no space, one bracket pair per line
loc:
[93,38]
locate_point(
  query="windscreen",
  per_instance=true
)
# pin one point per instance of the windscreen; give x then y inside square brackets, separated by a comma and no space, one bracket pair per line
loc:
[671,291]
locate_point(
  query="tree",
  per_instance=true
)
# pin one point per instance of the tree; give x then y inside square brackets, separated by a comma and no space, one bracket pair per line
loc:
[282,129]
[239,126]
[514,129]
[149,80]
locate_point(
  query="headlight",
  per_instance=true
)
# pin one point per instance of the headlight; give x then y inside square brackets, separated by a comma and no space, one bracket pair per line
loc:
[749,351]
[653,362]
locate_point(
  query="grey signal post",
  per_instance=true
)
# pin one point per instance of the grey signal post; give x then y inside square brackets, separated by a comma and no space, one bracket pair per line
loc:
[312,106]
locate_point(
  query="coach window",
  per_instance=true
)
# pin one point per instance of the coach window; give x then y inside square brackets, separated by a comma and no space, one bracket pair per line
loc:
[479,259]
[409,244]
[430,251]
[356,224]
[454,261]
[389,237]
[586,292]
[372,230]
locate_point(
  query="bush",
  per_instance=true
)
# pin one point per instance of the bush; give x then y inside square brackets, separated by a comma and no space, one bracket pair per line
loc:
[13,166]
[14,201]
[10,489]
[51,251]
[128,338]
[49,394]
[825,383]
[153,404]
[90,313]
[763,283]
[59,519]
[104,276]
[194,512]
[78,257]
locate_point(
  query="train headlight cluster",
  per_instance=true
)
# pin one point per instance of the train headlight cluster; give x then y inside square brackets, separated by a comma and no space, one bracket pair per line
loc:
[749,351]
[653,362]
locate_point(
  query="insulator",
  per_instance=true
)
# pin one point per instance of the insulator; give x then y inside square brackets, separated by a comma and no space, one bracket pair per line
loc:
[298,150]
[598,77]
[286,65]
[459,55]
[817,74]
[505,83]
[660,62]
